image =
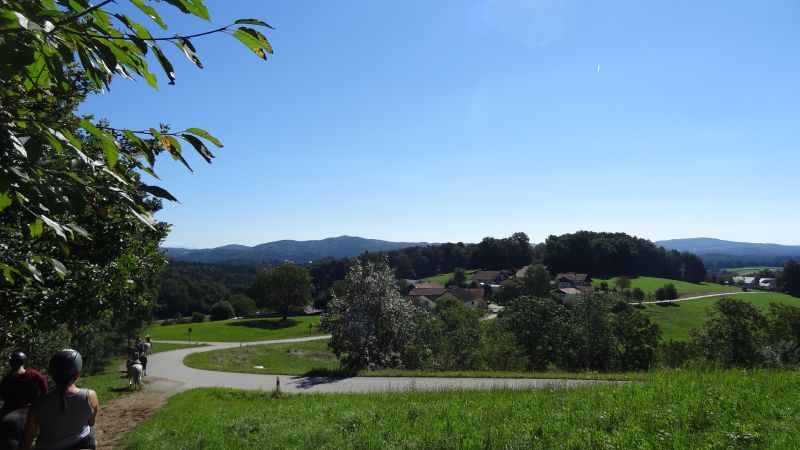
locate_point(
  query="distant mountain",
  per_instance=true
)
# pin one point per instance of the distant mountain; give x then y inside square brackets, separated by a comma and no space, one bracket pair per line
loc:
[717,253]
[298,251]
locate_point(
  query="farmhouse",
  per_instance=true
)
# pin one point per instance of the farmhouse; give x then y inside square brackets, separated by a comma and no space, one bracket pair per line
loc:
[521,272]
[747,282]
[489,277]
[572,280]
[430,293]
[471,297]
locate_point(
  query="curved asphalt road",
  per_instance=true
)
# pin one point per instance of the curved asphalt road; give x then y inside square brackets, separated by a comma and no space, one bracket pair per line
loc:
[169,365]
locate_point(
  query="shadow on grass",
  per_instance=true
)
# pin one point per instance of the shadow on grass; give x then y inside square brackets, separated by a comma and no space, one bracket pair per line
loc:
[264,324]
[319,376]
[325,372]
[668,304]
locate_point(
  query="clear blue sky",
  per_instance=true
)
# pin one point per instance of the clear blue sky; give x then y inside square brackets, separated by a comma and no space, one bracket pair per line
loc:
[452,120]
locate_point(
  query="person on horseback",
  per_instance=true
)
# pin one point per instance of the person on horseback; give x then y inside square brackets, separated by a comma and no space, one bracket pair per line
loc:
[19,389]
[63,418]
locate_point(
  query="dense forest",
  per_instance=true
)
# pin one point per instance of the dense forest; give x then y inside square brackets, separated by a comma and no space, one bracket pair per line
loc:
[190,287]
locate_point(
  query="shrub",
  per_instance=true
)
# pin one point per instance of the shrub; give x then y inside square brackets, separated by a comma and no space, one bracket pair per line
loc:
[222,310]
[198,317]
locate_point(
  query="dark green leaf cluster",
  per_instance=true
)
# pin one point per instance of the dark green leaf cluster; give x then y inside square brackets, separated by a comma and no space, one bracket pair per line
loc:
[54,53]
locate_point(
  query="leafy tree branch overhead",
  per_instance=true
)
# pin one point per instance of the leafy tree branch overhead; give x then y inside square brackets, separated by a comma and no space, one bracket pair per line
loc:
[50,45]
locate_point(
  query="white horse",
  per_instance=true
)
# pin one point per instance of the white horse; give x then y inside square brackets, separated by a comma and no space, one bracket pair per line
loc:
[148,348]
[134,373]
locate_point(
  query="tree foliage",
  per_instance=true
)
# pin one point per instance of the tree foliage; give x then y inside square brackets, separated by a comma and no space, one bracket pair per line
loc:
[371,325]
[790,278]
[47,45]
[283,288]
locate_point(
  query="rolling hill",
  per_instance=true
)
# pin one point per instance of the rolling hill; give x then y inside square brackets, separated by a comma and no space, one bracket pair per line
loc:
[298,251]
[717,253]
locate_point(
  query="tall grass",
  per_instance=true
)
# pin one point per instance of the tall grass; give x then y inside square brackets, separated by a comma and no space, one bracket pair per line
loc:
[671,409]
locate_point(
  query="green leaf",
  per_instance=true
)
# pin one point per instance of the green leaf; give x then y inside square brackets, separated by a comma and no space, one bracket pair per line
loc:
[36,228]
[254,22]
[195,7]
[189,51]
[5,201]
[205,135]
[144,218]
[59,230]
[250,42]
[150,12]
[158,192]
[199,146]
[60,269]
[165,64]
[260,37]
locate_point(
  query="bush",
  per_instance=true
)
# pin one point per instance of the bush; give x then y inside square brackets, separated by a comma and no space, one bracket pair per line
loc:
[243,305]
[198,317]
[222,310]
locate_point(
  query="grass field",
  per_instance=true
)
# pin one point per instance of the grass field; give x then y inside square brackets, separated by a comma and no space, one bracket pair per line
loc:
[443,278]
[671,409]
[677,319]
[746,271]
[165,347]
[239,330]
[314,358]
[685,289]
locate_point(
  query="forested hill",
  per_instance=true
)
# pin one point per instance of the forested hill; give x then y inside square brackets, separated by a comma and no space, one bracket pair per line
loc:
[717,253]
[301,252]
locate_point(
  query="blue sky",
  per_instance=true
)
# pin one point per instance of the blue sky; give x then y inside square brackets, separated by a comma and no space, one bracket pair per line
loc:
[451,120]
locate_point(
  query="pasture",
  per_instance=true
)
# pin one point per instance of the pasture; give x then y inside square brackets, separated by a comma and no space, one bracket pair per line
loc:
[670,409]
[748,271]
[443,278]
[313,358]
[685,289]
[237,330]
[677,319]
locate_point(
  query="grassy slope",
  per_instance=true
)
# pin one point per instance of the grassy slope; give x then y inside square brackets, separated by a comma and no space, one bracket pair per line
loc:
[677,319]
[314,358]
[746,271]
[443,278]
[685,289]
[677,409]
[242,330]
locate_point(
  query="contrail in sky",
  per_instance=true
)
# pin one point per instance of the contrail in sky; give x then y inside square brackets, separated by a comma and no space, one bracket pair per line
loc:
[598,69]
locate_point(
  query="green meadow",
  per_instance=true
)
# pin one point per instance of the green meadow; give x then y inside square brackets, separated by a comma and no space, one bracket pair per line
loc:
[685,289]
[747,271]
[313,358]
[677,319]
[443,278]
[670,409]
[237,330]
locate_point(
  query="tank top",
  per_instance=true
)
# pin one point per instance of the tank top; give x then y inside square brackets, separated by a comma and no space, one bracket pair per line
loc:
[59,429]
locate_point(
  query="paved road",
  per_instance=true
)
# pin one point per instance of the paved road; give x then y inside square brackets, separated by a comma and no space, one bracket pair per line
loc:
[169,365]
[718,294]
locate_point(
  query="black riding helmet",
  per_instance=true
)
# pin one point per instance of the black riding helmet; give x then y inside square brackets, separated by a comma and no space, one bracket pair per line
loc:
[17,359]
[65,365]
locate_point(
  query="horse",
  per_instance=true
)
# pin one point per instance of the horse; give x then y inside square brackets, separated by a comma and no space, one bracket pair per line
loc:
[134,373]
[148,348]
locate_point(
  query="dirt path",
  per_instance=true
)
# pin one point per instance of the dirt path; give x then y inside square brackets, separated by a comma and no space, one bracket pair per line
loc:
[121,415]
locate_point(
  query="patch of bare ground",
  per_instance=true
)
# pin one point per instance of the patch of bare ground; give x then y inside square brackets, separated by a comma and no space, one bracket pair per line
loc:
[121,415]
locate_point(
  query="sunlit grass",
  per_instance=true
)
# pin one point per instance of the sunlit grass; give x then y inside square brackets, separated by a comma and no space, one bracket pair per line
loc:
[237,330]
[670,409]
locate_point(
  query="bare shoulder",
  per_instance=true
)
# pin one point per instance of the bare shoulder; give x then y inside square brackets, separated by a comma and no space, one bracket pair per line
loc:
[93,398]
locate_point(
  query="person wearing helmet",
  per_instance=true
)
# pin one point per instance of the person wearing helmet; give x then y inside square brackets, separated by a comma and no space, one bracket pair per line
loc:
[63,418]
[18,389]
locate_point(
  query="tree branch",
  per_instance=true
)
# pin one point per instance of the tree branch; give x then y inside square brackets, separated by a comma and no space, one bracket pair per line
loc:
[171,38]
[87,11]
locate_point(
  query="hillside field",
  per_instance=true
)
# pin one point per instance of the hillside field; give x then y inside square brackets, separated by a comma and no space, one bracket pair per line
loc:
[443,278]
[747,271]
[685,289]
[677,319]
[237,330]
[669,409]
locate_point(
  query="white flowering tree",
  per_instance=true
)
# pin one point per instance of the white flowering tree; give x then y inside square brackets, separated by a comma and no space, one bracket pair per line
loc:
[371,324]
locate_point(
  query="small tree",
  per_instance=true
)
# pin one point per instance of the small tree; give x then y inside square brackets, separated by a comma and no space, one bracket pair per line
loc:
[733,334]
[283,288]
[371,325]
[537,281]
[222,310]
[622,283]
[638,294]
[635,339]
[459,276]
[243,305]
